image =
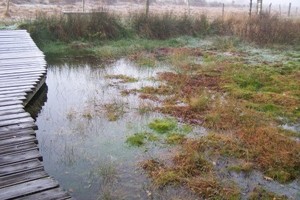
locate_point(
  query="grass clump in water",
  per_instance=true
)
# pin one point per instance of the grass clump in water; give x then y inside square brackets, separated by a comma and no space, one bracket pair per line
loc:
[163,125]
[139,139]
[123,78]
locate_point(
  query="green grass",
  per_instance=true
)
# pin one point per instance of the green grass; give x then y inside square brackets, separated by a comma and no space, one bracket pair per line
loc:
[163,125]
[139,139]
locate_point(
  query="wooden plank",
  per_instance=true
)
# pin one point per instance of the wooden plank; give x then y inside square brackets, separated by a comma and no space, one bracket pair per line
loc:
[27,188]
[14,98]
[18,140]
[12,111]
[21,78]
[18,85]
[15,92]
[18,148]
[22,74]
[56,193]
[12,71]
[21,55]
[10,107]
[16,88]
[32,79]
[18,126]
[16,121]
[10,134]
[14,116]
[24,166]
[22,177]
[19,157]
[9,103]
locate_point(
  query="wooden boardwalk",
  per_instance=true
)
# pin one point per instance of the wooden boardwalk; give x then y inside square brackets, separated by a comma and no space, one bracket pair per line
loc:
[22,73]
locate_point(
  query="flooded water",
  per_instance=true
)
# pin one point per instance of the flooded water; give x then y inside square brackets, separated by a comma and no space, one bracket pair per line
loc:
[86,114]
[82,147]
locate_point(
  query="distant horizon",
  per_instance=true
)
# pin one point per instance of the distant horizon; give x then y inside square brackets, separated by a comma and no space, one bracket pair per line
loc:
[265,2]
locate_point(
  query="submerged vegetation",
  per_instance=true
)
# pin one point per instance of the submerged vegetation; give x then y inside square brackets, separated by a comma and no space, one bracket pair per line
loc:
[240,98]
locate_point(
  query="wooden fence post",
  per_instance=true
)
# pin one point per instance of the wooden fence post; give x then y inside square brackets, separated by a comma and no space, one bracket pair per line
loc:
[289,12]
[279,9]
[83,4]
[250,9]
[147,7]
[223,11]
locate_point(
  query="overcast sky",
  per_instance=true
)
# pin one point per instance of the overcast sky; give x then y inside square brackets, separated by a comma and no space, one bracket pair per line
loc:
[274,2]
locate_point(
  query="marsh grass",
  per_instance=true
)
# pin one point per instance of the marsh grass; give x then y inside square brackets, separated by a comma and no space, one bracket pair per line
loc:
[139,139]
[260,193]
[115,110]
[163,125]
[123,78]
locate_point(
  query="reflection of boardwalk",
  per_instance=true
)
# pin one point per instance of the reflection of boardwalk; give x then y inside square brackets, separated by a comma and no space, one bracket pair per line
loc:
[22,73]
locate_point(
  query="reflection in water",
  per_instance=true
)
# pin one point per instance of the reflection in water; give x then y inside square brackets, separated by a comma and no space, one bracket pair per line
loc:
[34,107]
[81,147]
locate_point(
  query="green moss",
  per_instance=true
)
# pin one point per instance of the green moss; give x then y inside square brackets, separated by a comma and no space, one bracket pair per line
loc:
[163,125]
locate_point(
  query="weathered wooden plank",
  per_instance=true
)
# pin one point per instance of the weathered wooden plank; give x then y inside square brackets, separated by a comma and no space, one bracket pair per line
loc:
[10,134]
[52,194]
[22,74]
[12,111]
[16,121]
[12,71]
[19,78]
[14,98]
[11,107]
[24,166]
[22,177]
[9,103]
[27,188]
[14,116]
[17,85]
[23,61]
[18,157]
[16,88]
[15,92]
[17,148]
[18,140]
[18,126]
[20,56]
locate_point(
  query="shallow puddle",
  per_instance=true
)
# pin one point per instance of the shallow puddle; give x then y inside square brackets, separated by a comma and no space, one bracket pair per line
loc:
[83,148]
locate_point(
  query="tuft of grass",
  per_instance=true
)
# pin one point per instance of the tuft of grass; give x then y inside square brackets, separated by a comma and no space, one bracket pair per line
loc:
[175,138]
[163,125]
[200,102]
[245,167]
[139,139]
[123,78]
[114,111]
[261,193]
